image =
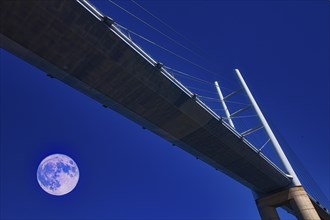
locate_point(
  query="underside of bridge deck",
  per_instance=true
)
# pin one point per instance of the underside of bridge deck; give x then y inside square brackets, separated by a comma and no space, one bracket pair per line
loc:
[68,42]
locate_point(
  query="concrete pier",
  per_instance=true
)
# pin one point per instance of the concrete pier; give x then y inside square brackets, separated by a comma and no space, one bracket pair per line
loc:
[295,200]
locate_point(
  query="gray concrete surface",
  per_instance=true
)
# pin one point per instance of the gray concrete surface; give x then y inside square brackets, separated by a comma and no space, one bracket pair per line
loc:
[66,41]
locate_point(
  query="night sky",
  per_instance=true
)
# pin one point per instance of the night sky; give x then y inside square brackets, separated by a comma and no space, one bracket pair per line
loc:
[126,172]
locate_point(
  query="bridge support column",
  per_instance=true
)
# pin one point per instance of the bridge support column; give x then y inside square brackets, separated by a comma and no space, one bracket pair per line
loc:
[295,200]
[268,213]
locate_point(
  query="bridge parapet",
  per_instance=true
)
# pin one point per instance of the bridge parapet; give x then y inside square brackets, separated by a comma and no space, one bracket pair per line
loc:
[68,42]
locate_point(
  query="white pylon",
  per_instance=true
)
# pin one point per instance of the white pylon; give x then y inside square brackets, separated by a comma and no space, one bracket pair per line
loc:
[277,146]
[224,106]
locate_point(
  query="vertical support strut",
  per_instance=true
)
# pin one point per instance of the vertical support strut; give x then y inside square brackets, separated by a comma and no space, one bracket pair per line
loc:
[278,149]
[224,106]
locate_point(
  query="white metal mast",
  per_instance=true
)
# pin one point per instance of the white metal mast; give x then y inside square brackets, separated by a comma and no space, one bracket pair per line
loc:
[224,106]
[269,132]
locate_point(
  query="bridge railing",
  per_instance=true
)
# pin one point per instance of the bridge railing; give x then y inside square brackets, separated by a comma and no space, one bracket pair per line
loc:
[127,39]
[112,25]
[116,29]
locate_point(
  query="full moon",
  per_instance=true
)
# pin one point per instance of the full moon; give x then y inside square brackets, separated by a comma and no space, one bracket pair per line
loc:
[57,174]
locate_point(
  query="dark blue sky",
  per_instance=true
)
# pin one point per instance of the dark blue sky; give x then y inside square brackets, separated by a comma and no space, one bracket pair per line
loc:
[281,48]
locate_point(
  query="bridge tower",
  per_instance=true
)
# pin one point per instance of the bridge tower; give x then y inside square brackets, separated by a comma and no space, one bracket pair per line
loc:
[293,198]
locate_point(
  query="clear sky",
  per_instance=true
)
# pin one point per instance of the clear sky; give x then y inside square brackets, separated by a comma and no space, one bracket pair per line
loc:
[281,48]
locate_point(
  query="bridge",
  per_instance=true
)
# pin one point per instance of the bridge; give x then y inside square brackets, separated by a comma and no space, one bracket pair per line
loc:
[74,43]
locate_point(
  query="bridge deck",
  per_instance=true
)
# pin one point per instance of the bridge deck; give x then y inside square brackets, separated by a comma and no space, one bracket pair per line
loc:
[65,40]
